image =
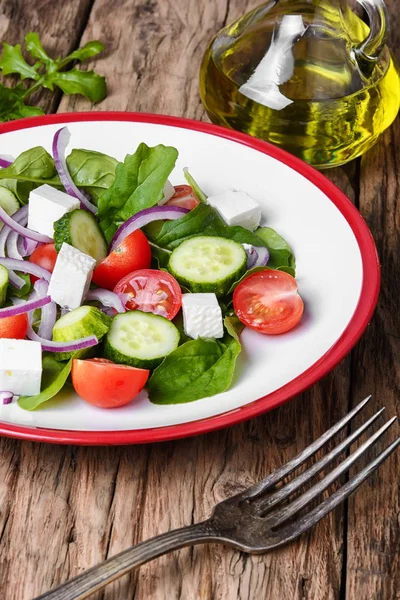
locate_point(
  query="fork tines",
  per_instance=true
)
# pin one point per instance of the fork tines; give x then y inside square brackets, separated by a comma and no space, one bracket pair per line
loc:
[267,502]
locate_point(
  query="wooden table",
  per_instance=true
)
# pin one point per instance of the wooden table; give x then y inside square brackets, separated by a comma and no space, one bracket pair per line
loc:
[63,509]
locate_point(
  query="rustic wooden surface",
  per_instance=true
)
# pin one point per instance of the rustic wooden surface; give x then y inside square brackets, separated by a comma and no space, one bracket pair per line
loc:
[63,509]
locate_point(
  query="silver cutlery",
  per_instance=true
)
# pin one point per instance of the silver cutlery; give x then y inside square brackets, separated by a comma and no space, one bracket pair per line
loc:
[258,519]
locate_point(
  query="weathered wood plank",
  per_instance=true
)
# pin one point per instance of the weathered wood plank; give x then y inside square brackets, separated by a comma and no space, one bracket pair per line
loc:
[82,505]
[373,564]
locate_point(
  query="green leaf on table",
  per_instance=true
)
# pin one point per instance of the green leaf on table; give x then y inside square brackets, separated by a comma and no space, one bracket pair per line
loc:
[87,83]
[139,183]
[92,171]
[196,369]
[12,104]
[194,185]
[35,48]
[202,220]
[54,376]
[280,253]
[87,51]
[12,62]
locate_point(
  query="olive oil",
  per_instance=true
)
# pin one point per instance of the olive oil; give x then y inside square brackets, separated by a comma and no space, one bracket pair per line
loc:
[322,102]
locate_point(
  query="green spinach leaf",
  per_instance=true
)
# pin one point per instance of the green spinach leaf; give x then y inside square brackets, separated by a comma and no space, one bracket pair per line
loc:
[202,220]
[138,184]
[31,165]
[195,370]
[92,171]
[280,254]
[54,376]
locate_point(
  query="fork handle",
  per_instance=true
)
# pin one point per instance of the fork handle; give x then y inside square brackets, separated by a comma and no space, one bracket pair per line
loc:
[97,577]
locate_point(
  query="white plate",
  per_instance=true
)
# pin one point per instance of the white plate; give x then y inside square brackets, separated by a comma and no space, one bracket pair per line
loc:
[331,243]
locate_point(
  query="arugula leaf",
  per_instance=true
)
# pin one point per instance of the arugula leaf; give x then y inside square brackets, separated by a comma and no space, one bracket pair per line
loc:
[54,376]
[35,48]
[92,171]
[87,51]
[12,104]
[139,183]
[86,83]
[46,73]
[12,61]
[280,254]
[195,370]
[203,219]
[198,192]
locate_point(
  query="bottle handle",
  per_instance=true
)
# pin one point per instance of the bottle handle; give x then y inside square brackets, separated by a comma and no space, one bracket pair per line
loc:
[369,50]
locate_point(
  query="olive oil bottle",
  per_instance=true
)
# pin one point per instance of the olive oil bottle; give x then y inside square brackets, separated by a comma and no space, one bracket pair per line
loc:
[309,76]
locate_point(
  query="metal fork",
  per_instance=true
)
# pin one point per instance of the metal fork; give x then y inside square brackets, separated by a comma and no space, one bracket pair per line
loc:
[257,519]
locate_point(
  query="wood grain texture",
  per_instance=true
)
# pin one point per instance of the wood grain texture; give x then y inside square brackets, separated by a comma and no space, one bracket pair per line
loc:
[64,509]
[373,548]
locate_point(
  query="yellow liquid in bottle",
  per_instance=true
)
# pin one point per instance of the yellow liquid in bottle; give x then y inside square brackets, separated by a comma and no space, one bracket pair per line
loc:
[334,112]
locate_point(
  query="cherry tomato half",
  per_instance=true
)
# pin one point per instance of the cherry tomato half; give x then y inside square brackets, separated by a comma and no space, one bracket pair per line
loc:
[152,291]
[105,384]
[268,301]
[133,253]
[14,328]
[183,197]
[45,256]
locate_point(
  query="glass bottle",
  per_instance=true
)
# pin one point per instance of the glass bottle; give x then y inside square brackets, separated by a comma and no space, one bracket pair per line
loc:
[307,75]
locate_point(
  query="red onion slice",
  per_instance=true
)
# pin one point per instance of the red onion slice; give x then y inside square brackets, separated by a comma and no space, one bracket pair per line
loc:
[19,309]
[15,226]
[16,280]
[144,217]
[25,267]
[263,256]
[48,346]
[4,163]
[257,256]
[6,397]
[49,312]
[60,143]
[12,246]
[106,298]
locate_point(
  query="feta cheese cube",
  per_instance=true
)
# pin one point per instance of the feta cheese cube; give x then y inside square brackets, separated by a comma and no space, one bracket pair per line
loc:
[46,206]
[20,367]
[237,208]
[71,277]
[202,316]
[169,191]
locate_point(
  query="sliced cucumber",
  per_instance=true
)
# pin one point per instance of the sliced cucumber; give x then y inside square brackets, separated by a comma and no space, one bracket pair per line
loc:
[3,285]
[140,339]
[208,264]
[80,323]
[79,228]
[8,201]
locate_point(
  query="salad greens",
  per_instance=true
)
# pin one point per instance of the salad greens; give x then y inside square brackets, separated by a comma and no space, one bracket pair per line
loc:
[280,254]
[47,73]
[54,377]
[204,219]
[197,367]
[92,171]
[139,183]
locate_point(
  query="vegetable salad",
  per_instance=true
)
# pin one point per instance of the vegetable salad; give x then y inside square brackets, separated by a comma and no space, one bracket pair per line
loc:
[113,279]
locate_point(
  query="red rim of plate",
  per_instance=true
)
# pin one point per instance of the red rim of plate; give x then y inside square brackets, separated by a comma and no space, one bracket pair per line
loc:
[355,328]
